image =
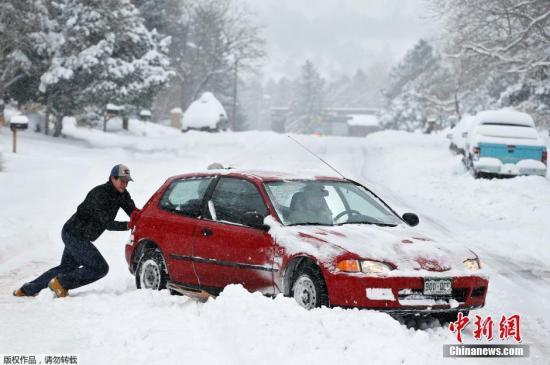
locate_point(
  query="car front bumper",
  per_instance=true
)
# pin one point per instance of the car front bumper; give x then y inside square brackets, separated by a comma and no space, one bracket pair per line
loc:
[404,294]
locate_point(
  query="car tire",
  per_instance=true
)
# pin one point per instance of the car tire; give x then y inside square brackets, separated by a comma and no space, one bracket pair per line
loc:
[151,272]
[309,288]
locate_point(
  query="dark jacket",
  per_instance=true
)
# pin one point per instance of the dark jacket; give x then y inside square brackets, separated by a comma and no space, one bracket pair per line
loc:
[98,211]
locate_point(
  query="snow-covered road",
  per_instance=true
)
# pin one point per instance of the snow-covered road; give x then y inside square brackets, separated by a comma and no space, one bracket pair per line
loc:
[505,221]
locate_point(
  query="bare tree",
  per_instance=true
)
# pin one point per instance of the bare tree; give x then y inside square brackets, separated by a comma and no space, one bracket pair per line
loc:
[216,41]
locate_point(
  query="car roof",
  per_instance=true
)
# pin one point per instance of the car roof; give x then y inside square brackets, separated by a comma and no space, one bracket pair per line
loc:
[504,116]
[260,175]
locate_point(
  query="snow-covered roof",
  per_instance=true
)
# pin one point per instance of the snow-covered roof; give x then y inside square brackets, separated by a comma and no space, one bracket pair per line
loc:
[176,110]
[266,175]
[204,112]
[364,120]
[504,116]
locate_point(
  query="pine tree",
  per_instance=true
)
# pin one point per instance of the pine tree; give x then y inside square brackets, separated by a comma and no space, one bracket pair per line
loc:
[107,56]
[421,86]
[27,37]
[306,110]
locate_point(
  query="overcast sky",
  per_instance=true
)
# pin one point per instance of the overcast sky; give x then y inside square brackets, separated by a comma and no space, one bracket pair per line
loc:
[339,35]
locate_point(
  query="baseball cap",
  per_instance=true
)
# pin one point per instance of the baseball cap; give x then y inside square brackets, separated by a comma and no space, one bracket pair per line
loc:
[122,172]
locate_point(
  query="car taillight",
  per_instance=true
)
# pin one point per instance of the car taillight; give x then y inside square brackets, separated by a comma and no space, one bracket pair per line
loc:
[476,150]
[544,157]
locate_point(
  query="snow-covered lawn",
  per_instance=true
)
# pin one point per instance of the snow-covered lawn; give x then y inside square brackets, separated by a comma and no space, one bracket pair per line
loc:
[506,221]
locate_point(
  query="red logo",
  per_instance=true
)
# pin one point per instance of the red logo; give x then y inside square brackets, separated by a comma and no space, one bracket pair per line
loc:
[459,325]
[508,327]
[484,328]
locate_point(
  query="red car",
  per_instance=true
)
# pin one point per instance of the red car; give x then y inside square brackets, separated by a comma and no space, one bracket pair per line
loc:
[323,240]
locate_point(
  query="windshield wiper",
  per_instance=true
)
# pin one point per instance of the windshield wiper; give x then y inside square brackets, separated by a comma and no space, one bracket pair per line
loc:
[373,223]
[309,224]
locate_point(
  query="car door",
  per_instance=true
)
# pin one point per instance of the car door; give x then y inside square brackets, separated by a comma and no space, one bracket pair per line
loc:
[228,252]
[180,208]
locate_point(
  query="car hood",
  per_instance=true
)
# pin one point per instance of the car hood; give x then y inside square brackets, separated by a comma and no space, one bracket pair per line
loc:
[404,248]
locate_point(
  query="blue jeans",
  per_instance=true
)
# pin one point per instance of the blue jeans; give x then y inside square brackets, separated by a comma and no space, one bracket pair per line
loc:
[81,264]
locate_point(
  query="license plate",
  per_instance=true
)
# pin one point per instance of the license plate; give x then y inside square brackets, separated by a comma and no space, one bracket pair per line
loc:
[437,287]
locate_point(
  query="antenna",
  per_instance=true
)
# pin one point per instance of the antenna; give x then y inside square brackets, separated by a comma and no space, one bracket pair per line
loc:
[323,161]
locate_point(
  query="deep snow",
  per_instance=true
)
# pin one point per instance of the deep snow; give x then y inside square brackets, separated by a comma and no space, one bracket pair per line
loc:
[504,221]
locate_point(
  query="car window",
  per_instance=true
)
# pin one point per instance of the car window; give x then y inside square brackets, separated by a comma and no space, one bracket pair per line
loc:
[333,200]
[185,196]
[361,202]
[234,197]
[318,202]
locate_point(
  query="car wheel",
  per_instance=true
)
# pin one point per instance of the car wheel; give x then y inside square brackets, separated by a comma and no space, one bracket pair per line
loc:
[151,271]
[309,288]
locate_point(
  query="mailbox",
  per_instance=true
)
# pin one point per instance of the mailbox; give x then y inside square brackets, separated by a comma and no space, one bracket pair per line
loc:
[145,115]
[19,122]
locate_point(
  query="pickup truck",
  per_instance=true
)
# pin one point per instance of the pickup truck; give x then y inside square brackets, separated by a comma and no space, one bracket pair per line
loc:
[504,143]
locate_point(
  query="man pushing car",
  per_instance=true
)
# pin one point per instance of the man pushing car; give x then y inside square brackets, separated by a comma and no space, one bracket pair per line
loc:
[82,263]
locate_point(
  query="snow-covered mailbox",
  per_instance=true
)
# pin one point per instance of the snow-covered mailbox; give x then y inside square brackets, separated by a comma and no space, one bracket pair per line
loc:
[205,114]
[20,122]
[112,110]
[145,115]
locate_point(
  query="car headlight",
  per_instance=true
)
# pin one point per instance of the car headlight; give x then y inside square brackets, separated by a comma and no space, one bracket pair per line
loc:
[374,266]
[472,264]
[366,266]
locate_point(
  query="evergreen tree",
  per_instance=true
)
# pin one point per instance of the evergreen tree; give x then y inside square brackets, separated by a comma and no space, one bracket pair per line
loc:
[306,109]
[421,86]
[107,56]
[27,40]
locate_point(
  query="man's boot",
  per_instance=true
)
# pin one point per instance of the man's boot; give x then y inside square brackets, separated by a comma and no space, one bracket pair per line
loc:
[20,293]
[57,288]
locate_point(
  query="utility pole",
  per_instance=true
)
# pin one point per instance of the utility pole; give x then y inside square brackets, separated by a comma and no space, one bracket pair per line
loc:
[235,84]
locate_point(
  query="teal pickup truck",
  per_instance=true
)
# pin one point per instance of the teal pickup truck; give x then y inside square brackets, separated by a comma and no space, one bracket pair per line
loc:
[505,143]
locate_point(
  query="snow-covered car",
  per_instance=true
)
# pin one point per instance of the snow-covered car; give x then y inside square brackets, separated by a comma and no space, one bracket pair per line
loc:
[326,241]
[505,142]
[205,114]
[459,134]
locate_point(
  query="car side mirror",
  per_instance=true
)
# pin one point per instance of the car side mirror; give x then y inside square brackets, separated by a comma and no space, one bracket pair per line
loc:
[411,219]
[254,220]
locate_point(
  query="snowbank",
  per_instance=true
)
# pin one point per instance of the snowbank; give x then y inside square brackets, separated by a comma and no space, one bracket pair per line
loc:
[204,112]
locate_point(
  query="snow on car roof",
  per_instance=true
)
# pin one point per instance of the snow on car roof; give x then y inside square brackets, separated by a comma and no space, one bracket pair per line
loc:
[265,175]
[504,116]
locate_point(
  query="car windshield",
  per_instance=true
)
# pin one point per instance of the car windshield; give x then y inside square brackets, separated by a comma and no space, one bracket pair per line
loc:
[316,202]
